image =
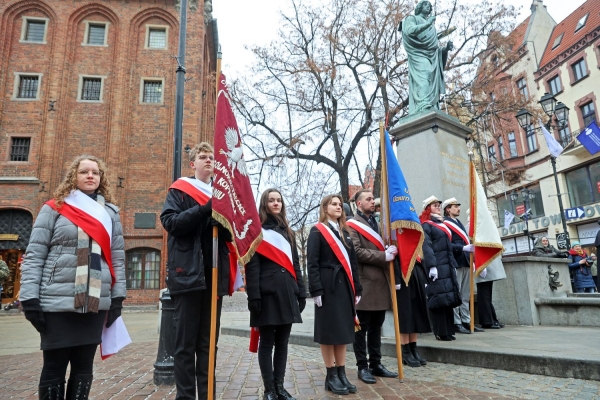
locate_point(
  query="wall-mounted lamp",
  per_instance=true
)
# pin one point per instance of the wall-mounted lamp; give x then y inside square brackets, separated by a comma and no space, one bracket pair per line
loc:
[187,148]
[435,128]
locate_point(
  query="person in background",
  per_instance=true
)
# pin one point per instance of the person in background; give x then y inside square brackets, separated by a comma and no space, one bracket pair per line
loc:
[73,277]
[4,274]
[543,248]
[485,282]
[276,292]
[581,267]
[594,270]
[335,288]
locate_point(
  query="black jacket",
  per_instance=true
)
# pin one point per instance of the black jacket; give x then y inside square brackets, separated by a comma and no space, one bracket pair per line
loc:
[462,259]
[189,243]
[437,252]
[274,286]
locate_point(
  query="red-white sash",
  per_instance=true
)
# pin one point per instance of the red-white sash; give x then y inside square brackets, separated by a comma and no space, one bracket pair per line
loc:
[367,232]
[90,216]
[338,249]
[277,249]
[195,188]
[456,229]
[443,227]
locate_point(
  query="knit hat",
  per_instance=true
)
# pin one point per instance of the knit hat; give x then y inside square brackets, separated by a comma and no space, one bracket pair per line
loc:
[430,200]
[575,243]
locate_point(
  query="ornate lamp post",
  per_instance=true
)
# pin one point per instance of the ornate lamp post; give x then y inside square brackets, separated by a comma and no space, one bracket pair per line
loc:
[558,110]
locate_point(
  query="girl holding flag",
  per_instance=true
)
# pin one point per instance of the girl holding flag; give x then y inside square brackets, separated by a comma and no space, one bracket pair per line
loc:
[276,292]
[73,277]
[335,287]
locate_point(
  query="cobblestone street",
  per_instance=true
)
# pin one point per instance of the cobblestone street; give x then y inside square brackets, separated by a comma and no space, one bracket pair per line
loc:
[129,374]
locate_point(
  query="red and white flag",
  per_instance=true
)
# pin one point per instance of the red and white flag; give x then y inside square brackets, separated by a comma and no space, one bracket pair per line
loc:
[233,204]
[482,228]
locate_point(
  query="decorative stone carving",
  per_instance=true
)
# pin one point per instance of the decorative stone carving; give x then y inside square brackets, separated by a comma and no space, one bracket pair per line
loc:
[208,9]
[553,278]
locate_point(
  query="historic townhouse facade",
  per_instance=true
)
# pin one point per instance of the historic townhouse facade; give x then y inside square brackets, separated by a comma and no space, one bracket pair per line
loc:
[99,78]
[566,65]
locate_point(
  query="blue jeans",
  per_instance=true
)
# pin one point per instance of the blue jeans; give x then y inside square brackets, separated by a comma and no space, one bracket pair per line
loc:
[585,290]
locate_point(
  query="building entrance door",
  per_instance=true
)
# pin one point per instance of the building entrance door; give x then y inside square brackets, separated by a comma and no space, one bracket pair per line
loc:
[15,229]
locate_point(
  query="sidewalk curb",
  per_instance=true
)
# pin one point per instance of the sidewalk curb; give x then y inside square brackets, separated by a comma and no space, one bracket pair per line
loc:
[550,366]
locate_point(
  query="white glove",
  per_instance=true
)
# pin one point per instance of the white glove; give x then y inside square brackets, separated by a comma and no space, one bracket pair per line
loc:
[389,256]
[483,273]
[398,287]
[390,253]
[357,299]
[318,301]
[433,273]
[469,248]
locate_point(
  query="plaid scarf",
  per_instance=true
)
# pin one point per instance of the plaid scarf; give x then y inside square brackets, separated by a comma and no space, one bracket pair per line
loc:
[88,278]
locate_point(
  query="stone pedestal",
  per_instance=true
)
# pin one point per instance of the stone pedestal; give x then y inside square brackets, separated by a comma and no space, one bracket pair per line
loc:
[433,154]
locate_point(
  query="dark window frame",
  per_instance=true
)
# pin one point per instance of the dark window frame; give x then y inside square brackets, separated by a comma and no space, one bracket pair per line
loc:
[88,88]
[579,69]
[501,152]
[555,85]
[164,38]
[522,87]
[132,282]
[20,148]
[28,33]
[530,136]
[26,89]
[149,97]
[93,36]
[589,115]
[510,143]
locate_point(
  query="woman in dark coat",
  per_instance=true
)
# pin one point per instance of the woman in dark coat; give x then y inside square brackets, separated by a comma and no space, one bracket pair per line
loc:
[276,296]
[581,267]
[412,312]
[543,248]
[442,291]
[335,287]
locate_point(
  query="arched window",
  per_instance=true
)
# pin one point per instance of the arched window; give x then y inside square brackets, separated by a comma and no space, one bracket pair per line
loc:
[142,267]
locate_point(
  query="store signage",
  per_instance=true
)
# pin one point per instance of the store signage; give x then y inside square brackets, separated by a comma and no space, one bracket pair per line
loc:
[576,212]
[520,209]
[561,241]
[590,138]
[9,236]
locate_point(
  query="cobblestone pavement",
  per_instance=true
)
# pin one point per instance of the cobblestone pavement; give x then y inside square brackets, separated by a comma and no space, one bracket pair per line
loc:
[129,374]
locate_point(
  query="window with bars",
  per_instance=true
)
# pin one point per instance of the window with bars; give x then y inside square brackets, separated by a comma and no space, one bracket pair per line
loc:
[28,87]
[579,70]
[555,86]
[91,89]
[588,112]
[157,38]
[152,92]
[512,144]
[19,149]
[35,31]
[522,85]
[143,269]
[531,140]
[96,34]
[501,147]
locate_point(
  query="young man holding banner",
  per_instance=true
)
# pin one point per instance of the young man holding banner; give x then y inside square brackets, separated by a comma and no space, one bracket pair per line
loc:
[187,218]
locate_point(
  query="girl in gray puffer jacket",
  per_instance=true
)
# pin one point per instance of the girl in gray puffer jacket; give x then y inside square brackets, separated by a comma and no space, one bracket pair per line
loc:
[73,277]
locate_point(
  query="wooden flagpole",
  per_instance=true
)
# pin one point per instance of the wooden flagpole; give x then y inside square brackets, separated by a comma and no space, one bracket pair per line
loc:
[471,272]
[386,212]
[215,275]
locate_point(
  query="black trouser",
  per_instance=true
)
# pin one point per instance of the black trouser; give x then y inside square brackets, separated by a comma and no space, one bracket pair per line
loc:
[272,365]
[485,308]
[369,337]
[192,342]
[56,361]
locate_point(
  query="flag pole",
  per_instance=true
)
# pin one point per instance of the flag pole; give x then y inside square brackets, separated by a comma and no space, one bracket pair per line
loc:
[386,212]
[471,272]
[215,274]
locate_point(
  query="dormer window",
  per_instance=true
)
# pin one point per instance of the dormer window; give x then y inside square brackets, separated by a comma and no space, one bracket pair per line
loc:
[581,22]
[557,41]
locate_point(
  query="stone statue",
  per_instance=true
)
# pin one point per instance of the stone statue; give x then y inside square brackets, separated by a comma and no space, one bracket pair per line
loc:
[426,59]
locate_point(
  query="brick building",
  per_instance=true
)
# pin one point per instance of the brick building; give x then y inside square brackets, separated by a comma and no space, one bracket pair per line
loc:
[99,78]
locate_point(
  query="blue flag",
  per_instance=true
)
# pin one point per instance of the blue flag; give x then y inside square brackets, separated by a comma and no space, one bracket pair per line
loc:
[590,138]
[398,211]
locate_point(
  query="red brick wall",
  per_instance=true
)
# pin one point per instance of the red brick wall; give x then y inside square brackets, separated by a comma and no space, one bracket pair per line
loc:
[135,140]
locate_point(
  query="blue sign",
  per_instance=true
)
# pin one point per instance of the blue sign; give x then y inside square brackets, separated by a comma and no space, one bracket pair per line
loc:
[590,138]
[572,213]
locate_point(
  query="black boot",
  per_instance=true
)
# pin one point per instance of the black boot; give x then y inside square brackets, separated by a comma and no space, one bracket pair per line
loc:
[270,393]
[282,394]
[52,390]
[78,387]
[333,383]
[408,358]
[415,353]
[341,370]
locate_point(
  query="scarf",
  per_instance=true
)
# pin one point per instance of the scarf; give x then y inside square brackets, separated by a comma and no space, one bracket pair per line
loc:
[88,278]
[580,253]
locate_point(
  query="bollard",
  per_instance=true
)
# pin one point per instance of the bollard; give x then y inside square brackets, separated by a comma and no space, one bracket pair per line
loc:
[164,372]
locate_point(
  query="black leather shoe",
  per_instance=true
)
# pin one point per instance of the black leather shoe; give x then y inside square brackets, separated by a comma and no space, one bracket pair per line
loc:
[444,338]
[366,376]
[461,329]
[475,328]
[452,337]
[494,326]
[380,370]
[501,325]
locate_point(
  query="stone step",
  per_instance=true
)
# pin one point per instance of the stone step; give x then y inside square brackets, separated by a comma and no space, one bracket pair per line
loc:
[573,310]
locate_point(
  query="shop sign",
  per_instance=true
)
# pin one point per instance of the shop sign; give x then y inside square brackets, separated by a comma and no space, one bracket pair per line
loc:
[587,233]
[520,209]
[561,241]
[9,236]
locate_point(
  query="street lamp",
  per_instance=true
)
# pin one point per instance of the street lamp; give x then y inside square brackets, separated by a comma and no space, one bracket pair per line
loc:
[558,110]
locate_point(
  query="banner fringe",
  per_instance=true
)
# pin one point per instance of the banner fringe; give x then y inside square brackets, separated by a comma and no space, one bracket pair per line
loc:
[251,250]
[403,224]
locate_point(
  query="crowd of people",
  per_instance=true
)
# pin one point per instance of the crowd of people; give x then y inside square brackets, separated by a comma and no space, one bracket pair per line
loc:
[73,281]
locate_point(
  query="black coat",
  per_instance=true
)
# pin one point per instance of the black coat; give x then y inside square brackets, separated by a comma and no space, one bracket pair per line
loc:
[275,287]
[189,244]
[462,258]
[334,321]
[411,299]
[437,252]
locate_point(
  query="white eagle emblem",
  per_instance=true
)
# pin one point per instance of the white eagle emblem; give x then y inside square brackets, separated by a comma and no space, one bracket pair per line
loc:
[235,155]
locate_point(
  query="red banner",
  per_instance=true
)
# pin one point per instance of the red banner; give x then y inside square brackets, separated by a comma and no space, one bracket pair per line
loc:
[233,203]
